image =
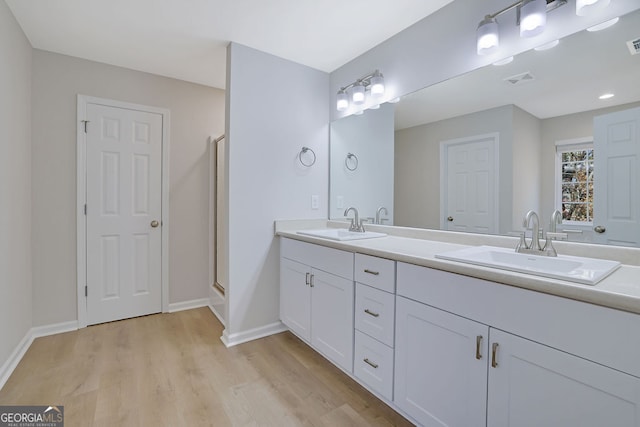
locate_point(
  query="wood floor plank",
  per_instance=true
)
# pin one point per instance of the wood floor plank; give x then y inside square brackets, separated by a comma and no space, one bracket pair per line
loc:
[173,370]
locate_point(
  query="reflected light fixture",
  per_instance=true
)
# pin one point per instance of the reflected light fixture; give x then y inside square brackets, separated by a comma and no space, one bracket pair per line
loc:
[547,46]
[604,25]
[372,83]
[505,61]
[586,7]
[606,96]
[531,17]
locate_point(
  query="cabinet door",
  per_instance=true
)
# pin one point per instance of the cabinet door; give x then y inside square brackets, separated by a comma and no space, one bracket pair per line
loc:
[295,297]
[534,385]
[440,367]
[332,318]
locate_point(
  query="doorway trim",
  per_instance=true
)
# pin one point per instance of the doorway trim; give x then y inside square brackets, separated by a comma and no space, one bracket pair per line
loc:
[81,185]
[444,169]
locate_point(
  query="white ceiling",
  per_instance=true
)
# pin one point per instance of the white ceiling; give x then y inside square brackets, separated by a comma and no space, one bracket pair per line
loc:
[187,39]
[567,79]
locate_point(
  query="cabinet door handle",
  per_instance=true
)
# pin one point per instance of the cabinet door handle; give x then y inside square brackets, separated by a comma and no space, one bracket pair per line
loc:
[311,280]
[306,279]
[478,347]
[370,363]
[375,273]
[494,352]
[371,313]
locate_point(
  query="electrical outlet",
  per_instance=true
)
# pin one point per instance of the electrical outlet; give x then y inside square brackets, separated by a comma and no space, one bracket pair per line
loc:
[339,202]
[315,202]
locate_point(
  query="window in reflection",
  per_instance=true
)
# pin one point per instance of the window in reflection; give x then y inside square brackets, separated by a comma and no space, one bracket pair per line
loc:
[576,185]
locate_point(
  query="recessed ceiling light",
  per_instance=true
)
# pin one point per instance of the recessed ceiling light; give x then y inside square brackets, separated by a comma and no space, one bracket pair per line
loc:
[604,25]
[547,46]
[504,61]
[606,96]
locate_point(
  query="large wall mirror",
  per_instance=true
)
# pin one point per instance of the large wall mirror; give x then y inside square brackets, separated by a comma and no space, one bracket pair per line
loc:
[478,151]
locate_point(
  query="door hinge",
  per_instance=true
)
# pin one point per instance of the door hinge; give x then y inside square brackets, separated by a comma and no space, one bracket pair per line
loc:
[85,208]
[85,125]
[86,291]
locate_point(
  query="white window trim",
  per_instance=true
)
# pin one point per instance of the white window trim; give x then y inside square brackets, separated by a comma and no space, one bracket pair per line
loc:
[569,145]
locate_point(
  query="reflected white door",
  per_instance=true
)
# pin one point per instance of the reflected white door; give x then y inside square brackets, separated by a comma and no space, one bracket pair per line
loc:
[124,168]
[616,193]
[468,192]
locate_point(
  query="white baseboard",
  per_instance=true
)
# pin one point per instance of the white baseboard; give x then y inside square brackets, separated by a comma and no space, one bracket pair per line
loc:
[39,331]
[188,305]
[230,340]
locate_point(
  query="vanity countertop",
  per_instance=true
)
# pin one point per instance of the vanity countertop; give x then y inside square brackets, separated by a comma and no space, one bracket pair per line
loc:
[620,290]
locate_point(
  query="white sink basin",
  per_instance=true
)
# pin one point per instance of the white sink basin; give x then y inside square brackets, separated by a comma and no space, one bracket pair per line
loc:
[340,234]
[588,271]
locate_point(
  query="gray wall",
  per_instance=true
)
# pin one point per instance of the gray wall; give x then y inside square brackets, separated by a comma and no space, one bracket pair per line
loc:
[370,137]
[526,168]
[274,107]
[197,112]
[15,184]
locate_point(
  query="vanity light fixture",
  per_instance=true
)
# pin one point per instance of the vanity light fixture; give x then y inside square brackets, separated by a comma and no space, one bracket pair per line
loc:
[586,7]
[372,83]
[531,17]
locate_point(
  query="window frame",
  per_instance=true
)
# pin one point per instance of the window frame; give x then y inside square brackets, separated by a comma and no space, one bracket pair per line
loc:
[576,144]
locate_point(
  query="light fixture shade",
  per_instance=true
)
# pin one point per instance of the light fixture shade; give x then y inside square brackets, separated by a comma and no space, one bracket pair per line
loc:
[586,7]
[377,84]
[487,37]
[357,93]
[533,17]
[342,100]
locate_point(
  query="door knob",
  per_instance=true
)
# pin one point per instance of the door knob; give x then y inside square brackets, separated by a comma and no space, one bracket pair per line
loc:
[450,218]
[599,229]
[154,223]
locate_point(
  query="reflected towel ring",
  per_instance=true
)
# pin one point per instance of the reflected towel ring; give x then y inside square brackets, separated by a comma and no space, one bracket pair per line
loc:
[353,160]
[303,151]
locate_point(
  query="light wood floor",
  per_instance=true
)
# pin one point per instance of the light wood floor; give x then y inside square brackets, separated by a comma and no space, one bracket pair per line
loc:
[173,370]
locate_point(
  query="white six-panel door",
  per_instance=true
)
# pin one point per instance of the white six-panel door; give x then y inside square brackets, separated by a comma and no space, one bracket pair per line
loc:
[616,216]
[468,187]
[123,216]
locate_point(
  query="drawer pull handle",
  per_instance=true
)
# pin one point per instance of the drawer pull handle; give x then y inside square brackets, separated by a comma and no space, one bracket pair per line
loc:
[370,363]
[306,280]
[371,313]
[494,351]
[311,280]
[478,345]
[375,273]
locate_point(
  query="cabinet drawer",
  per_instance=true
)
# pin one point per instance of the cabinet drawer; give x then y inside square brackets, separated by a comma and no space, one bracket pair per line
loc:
[377,272]
[373,364]
[331,260]
[375,313]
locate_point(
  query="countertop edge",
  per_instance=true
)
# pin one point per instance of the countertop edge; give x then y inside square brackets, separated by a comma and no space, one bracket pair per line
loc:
[560,288]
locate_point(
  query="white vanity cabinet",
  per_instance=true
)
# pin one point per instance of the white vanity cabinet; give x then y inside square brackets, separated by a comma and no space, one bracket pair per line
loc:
[374,323]
[466,356]
[441,366]
[317,297]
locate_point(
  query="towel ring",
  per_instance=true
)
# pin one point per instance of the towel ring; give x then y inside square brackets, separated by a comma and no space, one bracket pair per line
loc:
[354,161]
[303,151]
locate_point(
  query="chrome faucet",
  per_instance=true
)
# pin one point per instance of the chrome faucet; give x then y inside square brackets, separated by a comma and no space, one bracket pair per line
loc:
[531,218]
[356,223]
[556,219]
[379,213]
